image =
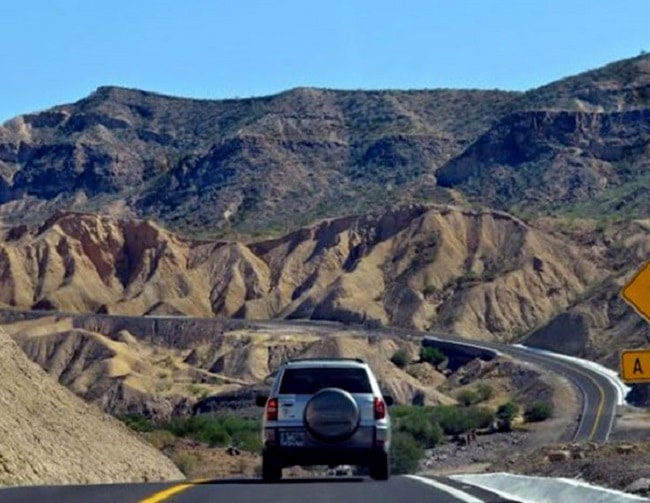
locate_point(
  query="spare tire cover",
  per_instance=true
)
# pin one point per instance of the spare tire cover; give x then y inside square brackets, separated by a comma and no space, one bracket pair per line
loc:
[332,415]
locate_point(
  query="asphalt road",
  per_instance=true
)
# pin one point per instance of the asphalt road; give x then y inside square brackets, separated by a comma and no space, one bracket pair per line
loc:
[317,490]
[599,396]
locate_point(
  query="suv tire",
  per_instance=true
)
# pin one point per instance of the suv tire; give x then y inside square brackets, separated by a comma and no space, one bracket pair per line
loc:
[332,415]
[271,469]
[380,467]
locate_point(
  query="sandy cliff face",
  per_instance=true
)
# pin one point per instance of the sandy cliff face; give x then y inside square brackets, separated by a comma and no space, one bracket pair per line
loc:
[479,273]
[48,435]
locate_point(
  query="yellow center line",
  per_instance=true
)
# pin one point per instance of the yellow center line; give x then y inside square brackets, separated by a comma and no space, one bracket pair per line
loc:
[601,392]
[171,491]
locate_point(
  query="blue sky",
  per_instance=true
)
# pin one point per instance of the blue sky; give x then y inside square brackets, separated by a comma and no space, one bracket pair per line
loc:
[58,51]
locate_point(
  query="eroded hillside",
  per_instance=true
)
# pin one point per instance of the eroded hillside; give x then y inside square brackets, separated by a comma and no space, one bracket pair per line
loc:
[599,324]
[128,372]
[130,365]
[483,274]
[50,436]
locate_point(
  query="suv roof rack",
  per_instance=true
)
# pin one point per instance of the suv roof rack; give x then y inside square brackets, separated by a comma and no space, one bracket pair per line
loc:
[291,360]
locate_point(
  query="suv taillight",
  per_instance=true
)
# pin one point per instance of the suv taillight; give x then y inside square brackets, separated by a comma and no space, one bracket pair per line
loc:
[272,409]
[380,408]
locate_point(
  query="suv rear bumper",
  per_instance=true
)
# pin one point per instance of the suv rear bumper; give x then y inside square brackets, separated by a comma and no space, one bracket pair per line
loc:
[365,445]
[286,456]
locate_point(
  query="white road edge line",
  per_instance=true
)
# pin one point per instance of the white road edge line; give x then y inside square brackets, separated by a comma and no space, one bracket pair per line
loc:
[611,375]
[456,493]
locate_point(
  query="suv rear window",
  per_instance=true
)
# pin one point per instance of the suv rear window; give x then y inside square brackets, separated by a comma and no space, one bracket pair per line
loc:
[309,381]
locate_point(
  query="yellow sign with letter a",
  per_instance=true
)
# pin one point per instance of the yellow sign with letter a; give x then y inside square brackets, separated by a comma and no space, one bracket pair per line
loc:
[635,365]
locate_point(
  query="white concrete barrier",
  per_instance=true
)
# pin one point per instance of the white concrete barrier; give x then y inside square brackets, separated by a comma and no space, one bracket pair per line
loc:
[612,376]
[529,489]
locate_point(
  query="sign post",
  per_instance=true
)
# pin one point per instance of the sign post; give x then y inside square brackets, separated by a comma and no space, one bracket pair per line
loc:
[635,363]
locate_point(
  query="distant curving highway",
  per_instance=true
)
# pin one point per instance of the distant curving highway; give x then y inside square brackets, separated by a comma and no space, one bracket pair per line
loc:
[599,396]
[316,490]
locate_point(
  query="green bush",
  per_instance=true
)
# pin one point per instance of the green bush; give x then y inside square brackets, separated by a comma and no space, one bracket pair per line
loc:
[468,397]
[506,413]
[400,358]
[485,391]
[213,429]
[406,453]
[482,417]
[418,428]
[139,423]
[539,411]
[432,355]
[201,428]
[419,423]
[457,420]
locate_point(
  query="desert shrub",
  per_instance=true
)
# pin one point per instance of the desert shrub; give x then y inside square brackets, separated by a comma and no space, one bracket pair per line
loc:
[417,428]
[186,462]
[539,411]
[468,397]
[432,355]
[400,358]
[216,430]
[485,391]
[406,453]
[419,423]
[457,420]
[203,428]
[161,439]
[139,423]
[481,417]
[506,413]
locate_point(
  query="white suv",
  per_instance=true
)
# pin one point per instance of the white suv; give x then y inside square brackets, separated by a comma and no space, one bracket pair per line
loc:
[325,412]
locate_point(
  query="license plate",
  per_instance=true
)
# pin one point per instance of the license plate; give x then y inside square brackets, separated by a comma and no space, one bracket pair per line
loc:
[292,438]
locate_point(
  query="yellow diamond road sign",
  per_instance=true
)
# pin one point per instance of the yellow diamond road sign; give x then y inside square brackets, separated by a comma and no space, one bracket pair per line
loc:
[635,365]
[637,292]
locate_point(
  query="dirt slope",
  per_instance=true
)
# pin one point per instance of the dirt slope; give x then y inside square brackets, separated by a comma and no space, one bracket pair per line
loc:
[48,436]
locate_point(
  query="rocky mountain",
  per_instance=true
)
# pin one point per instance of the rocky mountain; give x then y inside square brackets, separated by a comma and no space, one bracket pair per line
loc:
[248,164]
[579,144]
[272,164]
[50,436]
